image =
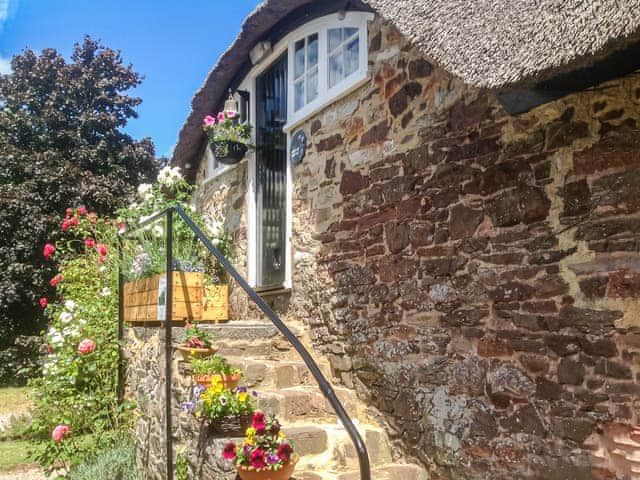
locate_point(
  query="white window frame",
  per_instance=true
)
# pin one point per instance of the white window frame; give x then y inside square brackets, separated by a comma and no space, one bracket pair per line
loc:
[324,99]
[327,95]
[212,170]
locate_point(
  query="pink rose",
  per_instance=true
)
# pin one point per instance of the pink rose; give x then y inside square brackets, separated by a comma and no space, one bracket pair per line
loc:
[86,346]
[209,120]
[82,210]
[44,302]
[60,432]
[221,116]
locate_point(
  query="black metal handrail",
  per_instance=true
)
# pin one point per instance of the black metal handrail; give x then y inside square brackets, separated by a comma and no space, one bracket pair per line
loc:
[323,383]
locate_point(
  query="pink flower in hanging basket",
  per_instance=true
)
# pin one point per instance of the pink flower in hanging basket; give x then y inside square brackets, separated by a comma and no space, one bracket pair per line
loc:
[209,120]
[86,346]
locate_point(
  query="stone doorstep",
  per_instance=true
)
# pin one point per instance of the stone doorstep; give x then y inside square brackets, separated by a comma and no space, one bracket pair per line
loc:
[298,403]
[246,330]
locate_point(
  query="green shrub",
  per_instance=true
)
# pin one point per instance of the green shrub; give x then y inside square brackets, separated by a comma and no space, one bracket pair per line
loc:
[77,388]
[111,464]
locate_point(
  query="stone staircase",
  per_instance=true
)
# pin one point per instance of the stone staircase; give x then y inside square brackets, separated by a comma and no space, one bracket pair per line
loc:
[286,388]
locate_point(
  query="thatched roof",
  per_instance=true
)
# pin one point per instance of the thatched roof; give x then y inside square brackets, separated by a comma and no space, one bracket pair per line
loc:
[486,43]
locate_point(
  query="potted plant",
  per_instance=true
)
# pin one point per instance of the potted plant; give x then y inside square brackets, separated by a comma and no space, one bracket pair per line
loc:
[226,411]
[228,139]
[265,454]
[216,367]
[197,343]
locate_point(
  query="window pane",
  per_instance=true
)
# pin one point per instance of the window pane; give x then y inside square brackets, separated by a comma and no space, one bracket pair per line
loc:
[298,59]
[335,69]
[298,93]
[335,39]
[349,32]
[312,85]
[351,57]
[312,50]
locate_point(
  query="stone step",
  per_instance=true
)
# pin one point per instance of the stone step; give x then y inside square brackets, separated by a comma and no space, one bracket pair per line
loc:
[386,472]
[262,374]
[340,454]
[300,403]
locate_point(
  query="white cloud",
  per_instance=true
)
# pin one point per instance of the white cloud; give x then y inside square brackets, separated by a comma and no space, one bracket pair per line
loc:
[4,10]
[7,11]
[5,65]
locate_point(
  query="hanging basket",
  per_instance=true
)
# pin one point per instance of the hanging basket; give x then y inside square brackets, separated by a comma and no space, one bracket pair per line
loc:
[231,426]
[248,473]
[228,152]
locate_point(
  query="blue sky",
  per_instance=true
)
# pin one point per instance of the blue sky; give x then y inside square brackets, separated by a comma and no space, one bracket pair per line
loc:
[172,43]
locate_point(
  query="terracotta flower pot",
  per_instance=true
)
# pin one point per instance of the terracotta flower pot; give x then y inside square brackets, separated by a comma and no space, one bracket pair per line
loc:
[248,473]
[188,352]
[228,381]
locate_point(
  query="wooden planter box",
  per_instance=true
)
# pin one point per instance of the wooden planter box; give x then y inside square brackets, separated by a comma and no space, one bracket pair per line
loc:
[215,306]
[144,299]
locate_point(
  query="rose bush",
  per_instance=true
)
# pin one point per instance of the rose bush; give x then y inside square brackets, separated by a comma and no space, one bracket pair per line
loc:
[76,395]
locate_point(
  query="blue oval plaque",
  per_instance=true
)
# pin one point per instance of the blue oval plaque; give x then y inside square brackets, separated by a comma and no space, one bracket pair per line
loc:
[298,147]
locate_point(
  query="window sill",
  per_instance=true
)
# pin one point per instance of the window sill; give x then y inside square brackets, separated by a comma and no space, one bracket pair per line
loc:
[348,88]
[219,172]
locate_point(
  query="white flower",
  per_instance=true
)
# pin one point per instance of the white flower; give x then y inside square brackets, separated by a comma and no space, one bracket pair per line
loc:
[158,231]
[134,206]
[82,321]
[102,269]
[57,339]
[168,176]
[144,189]
[215,241]
[70,305]
[192,208]
[105,292]
[66,317]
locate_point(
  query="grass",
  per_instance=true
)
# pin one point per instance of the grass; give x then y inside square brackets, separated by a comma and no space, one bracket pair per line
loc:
[14,399]
[14,453]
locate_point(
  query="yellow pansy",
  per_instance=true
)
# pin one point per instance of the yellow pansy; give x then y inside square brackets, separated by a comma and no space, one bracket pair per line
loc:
[250,432]
[281,434]
[248,441]
[242,397]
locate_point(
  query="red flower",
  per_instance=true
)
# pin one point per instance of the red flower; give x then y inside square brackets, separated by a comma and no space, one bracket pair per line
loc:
[65,226]
[55,280]
[259,422]
[284,452]
[101,259]
[102,249]
[257,458]
[195,342]
[69,211]
[89,242]
[229,451]
[48,250]
[82,210]
[44,302]
[49,349]
[74,221]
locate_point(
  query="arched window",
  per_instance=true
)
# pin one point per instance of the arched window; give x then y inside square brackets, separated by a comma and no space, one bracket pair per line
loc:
[327,57]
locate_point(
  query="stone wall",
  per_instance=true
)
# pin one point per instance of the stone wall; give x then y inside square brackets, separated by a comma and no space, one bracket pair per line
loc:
[475,275]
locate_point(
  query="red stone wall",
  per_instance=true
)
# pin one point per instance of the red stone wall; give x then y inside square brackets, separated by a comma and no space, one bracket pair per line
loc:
[476,276]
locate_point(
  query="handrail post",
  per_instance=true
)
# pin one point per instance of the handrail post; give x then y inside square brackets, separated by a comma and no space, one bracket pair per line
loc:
[120,384]
[168,314]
